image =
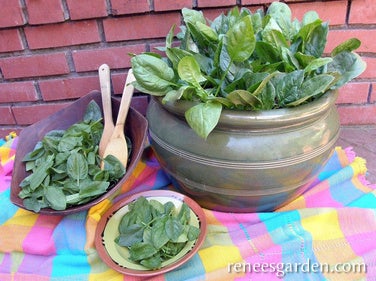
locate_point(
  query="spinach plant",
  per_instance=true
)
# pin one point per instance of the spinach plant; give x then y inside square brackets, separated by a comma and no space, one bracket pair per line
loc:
[245,61]
[65,166]
[155,232]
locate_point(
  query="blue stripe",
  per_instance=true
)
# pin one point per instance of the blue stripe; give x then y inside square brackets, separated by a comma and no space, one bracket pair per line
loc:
[70,239]
[8,209]
[191,270]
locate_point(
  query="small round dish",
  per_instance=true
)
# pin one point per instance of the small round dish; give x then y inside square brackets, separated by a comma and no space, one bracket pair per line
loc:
[115,256]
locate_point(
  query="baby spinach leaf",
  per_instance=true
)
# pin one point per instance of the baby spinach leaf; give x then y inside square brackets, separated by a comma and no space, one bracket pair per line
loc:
[349,65]
[113,166]
[193,232]
[37,152]
[154,262]
[55,198]
[347,46]
[317,63]
[68,143]
[152,73]
[89,188]
[159,236]
[92,113]
[32,204]
[41,172]
[203,117]
[311,87]
[282,15]
[207,32]
[243,97]
[131,235]
[287,86]
[141,251]
[240,40]
[193,16]
[154,232]
[189,70]
[173,228]
[77,166]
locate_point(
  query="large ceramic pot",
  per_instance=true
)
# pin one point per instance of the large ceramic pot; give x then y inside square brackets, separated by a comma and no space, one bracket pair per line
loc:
[252,161]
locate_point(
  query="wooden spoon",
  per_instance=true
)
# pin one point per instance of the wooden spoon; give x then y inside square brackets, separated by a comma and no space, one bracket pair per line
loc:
[105,82]
[117,145]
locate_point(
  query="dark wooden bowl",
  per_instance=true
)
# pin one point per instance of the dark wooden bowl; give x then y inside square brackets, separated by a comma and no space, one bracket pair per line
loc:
[135,128]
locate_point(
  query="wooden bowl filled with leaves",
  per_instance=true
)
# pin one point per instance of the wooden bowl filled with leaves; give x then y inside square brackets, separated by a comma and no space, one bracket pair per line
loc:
[56,169]
[150,233]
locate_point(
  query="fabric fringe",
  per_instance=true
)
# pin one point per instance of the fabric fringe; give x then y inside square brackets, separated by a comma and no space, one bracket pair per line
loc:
[359,166]
[350,154]
[363,180]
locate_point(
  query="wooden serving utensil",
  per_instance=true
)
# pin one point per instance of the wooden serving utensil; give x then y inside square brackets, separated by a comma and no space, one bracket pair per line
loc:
[117,145]
[105,82]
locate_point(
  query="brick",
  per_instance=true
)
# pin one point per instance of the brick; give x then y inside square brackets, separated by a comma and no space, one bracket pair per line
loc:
[10,40]
[140,27]
[217,3]
[124,7]
[334,12]
[18,92]
[169,5]
[118,81]
[211,14]
[254,2]
[63,34]
[353,93]
[6,116]
[366,36]
[11,14]
[116,57]
[29,114]
[86,9]
[69,88]
[47,11]
[357,115]
[34,66]
[373,93]
[370,71]
[363,12]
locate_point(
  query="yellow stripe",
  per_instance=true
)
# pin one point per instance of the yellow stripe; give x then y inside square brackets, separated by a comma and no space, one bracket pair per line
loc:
[108,275]
[22,217]
[216,257]
[324,226]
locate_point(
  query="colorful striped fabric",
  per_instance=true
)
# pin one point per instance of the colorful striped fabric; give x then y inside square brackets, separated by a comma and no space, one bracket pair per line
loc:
[329,233]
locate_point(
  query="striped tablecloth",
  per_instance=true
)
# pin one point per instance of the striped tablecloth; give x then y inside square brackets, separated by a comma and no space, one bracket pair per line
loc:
[328,233]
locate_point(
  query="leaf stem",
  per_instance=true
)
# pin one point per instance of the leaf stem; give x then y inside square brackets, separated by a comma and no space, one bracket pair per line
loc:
[224,74]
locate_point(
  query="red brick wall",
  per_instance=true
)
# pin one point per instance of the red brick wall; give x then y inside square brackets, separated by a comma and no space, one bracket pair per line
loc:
[50,50]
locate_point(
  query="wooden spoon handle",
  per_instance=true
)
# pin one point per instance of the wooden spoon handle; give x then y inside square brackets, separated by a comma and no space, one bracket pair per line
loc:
[125,99]
[105,82]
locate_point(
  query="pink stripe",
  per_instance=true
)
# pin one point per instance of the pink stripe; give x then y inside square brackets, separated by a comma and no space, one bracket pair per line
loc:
[252,238]
[359,228]
[320,196]
[39,240]
[39,267]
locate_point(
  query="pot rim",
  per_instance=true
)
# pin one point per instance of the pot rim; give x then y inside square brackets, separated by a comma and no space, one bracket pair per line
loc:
[263,119]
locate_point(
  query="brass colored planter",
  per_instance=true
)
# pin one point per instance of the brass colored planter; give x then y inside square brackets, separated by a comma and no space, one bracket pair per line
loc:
[252,161]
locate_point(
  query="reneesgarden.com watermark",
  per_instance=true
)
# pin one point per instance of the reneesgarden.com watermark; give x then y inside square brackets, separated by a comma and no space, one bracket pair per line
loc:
[281,269]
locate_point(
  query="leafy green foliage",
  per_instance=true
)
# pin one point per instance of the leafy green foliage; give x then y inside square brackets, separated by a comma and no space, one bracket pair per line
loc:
[246,61]
[154,232]
[65,166]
